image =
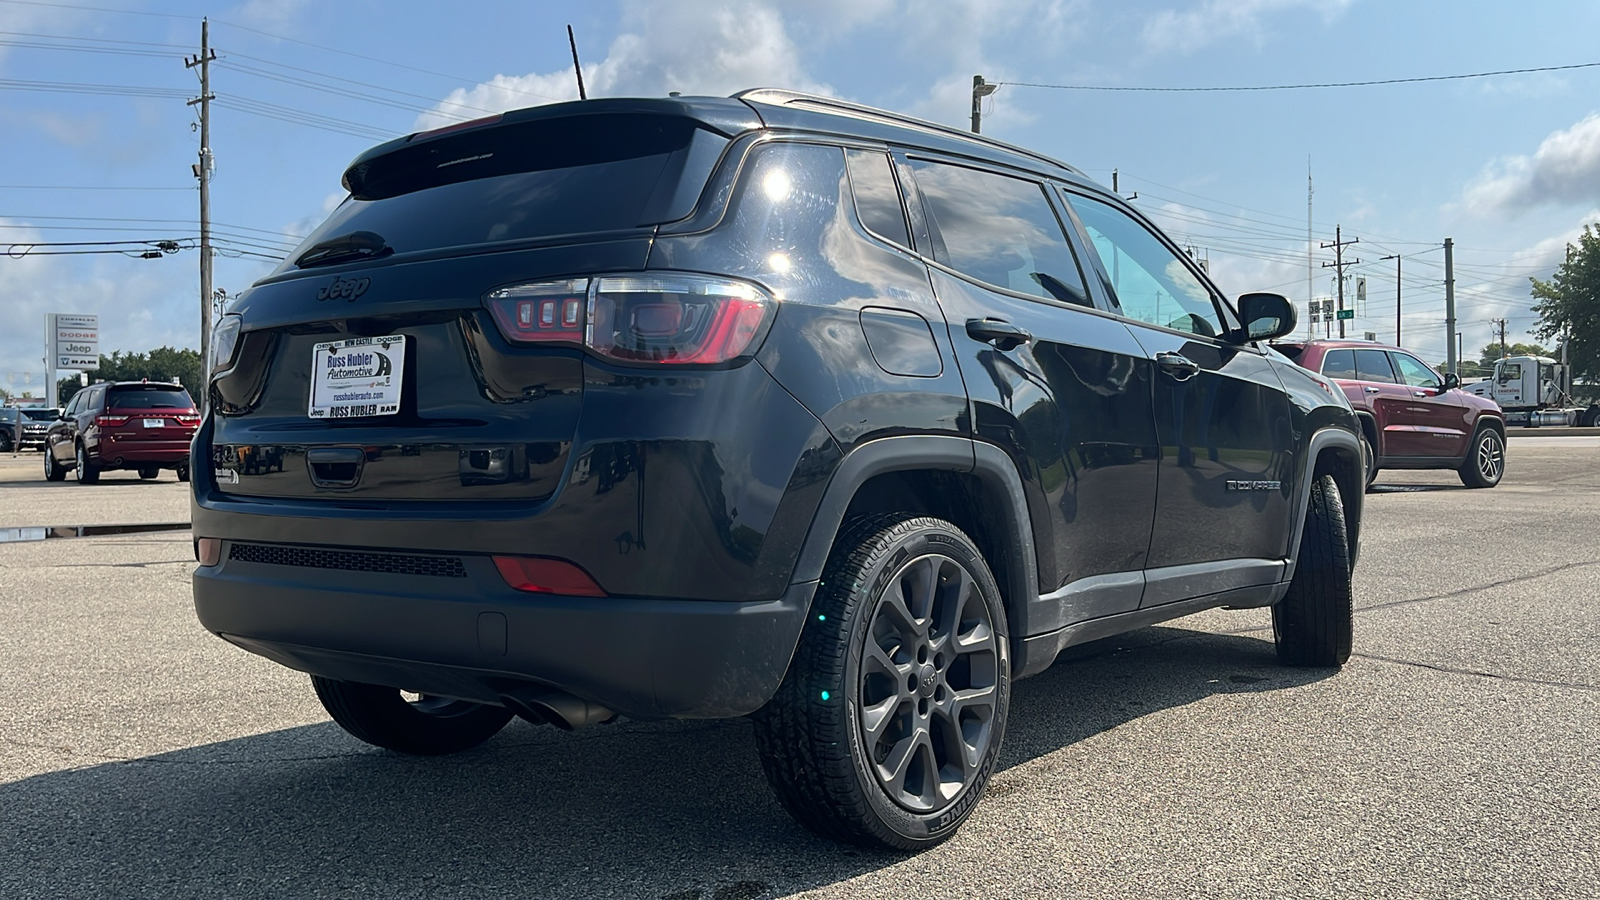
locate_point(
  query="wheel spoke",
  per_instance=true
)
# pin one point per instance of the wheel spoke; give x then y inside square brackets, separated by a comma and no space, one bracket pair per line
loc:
[880,658]
[955,604]
[894,767]
[875,718]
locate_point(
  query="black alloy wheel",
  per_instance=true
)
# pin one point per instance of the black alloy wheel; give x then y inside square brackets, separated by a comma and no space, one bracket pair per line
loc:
[426,726]
[888,725]
[1485,464]
[85,471]
[6,444]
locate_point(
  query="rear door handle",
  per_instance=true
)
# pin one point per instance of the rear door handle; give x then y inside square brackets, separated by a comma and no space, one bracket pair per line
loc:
[1180,367]
[1419,393]
[335,467]
[1002,334]
[1373,390]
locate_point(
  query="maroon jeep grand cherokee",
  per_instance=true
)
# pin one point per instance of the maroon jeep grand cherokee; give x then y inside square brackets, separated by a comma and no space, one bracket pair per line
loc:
[1411,417]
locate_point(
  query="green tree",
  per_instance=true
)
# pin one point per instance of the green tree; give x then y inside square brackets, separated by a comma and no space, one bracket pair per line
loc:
[161,364]
[1491,352]
[1569,304]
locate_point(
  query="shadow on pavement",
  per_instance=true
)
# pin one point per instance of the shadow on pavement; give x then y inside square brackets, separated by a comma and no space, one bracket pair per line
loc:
[660,810]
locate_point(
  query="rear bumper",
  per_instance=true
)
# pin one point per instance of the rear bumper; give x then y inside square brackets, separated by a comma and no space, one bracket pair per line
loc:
[471,636]
[166,452]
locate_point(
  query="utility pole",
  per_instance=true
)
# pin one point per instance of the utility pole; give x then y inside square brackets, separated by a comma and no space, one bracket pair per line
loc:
[1501,324]
[1451,358]
[980,90]
[202,171]
[1338,245]
[1396,259]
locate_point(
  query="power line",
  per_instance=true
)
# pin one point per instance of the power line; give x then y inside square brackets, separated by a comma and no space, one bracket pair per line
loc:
[1296,87]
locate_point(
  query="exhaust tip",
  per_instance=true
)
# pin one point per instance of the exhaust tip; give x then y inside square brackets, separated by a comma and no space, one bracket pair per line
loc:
[559,708]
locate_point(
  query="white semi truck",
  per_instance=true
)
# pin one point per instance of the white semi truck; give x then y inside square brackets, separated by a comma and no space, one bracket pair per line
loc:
[1534,390]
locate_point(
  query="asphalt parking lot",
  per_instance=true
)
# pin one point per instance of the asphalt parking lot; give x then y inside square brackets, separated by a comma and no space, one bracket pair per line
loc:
[1455,756]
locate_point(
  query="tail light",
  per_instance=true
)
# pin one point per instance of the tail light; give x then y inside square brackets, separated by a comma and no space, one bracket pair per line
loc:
[669,318]
[110,421]
[188,418]
[542,575]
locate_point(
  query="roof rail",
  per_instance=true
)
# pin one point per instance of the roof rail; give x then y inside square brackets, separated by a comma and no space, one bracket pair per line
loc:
[782,97]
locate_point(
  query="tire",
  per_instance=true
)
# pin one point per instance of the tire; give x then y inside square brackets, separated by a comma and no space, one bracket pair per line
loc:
[1591,417]
[1369,455]
[1485,464]
[85,471]
[431,726]
[52,469]
[149,472]
[183,472]
[1313,624]
[892,747]
[6,444]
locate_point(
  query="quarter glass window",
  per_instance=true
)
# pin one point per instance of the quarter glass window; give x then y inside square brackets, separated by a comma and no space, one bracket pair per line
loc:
[877,196]
[1339,364]
[1152,283]
[1001,230]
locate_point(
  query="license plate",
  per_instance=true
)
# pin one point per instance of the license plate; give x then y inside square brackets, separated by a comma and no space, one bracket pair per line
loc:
[155,423]
[358,377]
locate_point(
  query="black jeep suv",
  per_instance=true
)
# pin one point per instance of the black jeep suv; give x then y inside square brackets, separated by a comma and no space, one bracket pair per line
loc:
[770,405]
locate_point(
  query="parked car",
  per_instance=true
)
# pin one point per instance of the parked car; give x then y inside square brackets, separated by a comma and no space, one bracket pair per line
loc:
[141,425]
[1411,416]
[24,428]
[771,405]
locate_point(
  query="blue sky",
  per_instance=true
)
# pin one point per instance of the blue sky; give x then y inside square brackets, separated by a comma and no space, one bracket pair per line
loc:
[1507,166]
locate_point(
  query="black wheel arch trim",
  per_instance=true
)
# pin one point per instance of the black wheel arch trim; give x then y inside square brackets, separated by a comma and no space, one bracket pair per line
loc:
[1352,495]
[903,453]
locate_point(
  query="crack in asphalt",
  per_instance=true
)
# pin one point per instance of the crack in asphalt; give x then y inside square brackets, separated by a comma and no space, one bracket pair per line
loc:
[121,565]
[1478,672]
[1515,579]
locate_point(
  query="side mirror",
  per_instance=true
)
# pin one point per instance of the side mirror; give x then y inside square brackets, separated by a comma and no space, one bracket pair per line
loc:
[1265,316]
[1451,380]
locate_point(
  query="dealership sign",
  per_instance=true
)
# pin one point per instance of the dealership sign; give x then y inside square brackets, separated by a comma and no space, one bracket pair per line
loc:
[75,340]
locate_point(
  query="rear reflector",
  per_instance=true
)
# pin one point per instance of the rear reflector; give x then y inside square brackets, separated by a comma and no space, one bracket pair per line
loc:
[208,551]
[541,575]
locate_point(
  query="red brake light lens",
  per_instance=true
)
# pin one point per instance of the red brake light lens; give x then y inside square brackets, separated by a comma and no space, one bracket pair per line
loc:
[110,421]
[668,318]
[542,575]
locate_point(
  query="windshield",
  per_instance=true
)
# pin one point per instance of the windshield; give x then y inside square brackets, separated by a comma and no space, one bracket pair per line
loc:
[40,415]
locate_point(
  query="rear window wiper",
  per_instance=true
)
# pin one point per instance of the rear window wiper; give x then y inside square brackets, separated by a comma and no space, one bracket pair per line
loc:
[345,248]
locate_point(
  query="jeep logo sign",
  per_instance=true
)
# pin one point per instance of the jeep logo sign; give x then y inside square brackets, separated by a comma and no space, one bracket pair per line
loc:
[348,289]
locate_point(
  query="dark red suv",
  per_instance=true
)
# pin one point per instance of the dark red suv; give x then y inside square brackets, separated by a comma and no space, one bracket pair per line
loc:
[1411,416]
[141,425]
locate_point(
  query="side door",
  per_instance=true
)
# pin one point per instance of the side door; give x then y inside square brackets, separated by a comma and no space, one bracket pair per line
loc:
[1442,422]
[1390,402]
[1228,468]
[1057,383]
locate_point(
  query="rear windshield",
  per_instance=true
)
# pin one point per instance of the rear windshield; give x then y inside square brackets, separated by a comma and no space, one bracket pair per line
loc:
[41,415]
[525,180]
[138,396]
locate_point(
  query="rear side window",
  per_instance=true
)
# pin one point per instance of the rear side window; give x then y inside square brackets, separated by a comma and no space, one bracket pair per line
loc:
[576,175]
[877,196]
[1373,365]
[136,396]
[1339,364]
[1000,230]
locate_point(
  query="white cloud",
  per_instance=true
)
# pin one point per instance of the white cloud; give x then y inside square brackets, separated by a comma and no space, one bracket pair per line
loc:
[1564,170]
[704,48]
[142,304]
[1172,31]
